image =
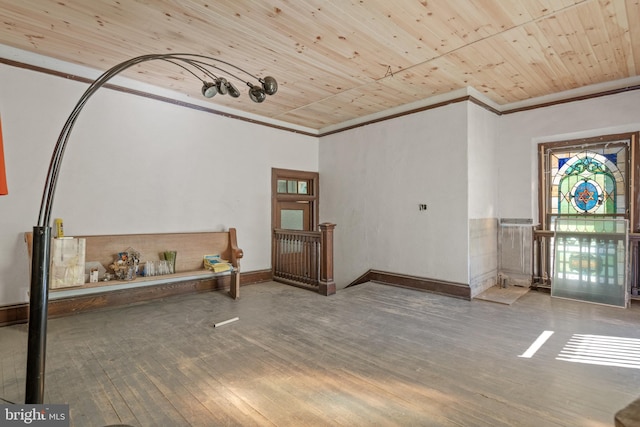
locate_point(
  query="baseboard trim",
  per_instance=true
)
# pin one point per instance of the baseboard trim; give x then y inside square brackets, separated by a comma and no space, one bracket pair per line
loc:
[253,277]
[453,289]
[14,313]
[19,313]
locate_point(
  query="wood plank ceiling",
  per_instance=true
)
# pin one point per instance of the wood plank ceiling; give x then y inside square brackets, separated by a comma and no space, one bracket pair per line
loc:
[342,60]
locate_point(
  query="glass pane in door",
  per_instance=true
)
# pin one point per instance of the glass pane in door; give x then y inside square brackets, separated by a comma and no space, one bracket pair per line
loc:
[292,219]
[282,186]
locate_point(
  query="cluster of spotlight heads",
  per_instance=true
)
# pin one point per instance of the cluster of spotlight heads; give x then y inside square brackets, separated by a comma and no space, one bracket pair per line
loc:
[268,86]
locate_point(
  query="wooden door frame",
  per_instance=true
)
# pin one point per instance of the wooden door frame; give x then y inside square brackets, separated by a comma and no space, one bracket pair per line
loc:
[313,198]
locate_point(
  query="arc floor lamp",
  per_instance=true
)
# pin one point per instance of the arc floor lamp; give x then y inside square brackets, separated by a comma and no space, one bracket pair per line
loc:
[203,68]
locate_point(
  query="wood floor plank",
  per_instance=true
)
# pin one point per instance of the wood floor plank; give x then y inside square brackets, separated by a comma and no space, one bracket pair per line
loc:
[369,355]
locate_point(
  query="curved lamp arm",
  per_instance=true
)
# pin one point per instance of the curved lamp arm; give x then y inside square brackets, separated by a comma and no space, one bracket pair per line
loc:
[267,86]
[41,251]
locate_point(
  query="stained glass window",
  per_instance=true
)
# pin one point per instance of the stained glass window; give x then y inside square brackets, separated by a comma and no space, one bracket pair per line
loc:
[587,208]
[588,181]
[588,191]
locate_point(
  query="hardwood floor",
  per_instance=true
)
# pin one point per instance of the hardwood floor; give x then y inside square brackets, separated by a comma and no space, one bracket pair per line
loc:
[369,355]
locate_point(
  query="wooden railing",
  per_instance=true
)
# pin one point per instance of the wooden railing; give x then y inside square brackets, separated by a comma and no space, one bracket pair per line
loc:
[305,258]
[634,261]
[543,260]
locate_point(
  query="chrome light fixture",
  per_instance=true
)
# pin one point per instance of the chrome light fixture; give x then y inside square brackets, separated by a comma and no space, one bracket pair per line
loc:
[195,64]
[256,93]
[199,66]
[269,84]
[233,91]
[221,85]
[209,90]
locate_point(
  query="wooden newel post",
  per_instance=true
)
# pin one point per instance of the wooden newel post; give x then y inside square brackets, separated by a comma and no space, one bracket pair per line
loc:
[327,285]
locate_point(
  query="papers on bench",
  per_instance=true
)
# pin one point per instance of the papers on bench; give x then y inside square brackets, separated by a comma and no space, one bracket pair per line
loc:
[216,264]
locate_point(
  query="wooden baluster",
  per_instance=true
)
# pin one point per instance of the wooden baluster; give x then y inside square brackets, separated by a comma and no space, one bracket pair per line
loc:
[283,254]
[292,250]
[287,256]
[545,259]
[634,267]
[316,261]
[312,262]
[295,260]
[287,252]
[274,253]
[280,254]
[297,270]
[292,257]
[305,259]
[310,277]
[313,257]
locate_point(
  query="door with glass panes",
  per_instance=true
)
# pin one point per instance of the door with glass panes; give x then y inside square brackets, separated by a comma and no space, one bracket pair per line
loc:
[294,206]
[294,196]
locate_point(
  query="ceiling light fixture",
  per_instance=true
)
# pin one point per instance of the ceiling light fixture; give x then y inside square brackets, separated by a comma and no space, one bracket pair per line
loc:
[209,89]
[221,85]
[195,64]
[201,67]
[257,93]
[269,84]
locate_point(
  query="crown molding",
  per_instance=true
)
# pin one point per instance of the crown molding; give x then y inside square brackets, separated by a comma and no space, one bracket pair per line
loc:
[43,64]
[39,63]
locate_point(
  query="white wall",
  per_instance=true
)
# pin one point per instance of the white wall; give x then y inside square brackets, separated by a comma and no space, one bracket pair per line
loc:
[372,180]
[483,179]
[135,165]
[138,165]
[483,198]
[373,177]
[519,134]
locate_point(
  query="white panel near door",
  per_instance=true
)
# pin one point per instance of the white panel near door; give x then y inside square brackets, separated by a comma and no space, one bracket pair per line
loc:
[590,260]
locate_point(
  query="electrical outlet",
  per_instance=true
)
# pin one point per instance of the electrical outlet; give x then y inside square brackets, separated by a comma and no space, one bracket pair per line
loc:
[422,207]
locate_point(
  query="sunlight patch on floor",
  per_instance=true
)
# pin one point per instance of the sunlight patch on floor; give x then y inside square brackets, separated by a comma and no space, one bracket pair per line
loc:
[602,350]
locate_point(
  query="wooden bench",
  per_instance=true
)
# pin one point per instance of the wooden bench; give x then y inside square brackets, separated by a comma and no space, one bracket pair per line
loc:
[190,248]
